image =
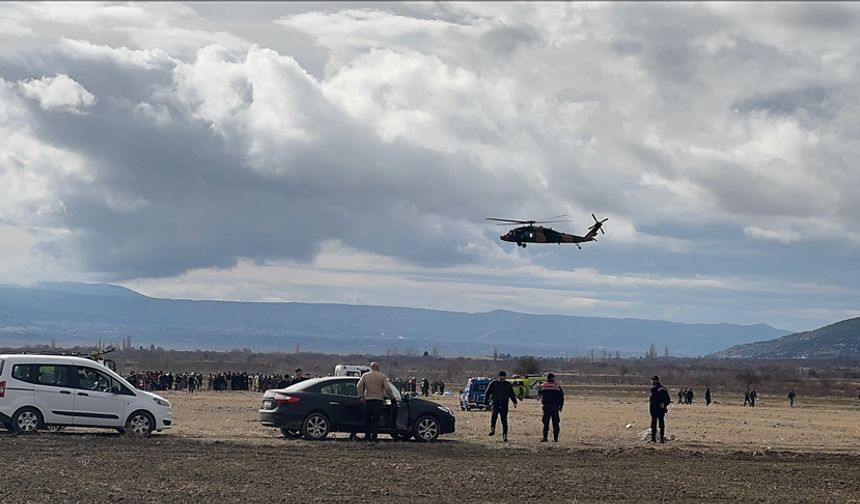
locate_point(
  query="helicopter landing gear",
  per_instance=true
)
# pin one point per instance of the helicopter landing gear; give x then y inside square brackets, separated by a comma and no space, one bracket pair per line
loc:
[521,244]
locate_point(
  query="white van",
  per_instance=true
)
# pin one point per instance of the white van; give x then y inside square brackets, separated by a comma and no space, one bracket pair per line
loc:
[42,391]
[347,370]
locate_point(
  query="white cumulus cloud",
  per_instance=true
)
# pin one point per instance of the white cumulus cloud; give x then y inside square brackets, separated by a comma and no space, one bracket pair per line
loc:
[59,92]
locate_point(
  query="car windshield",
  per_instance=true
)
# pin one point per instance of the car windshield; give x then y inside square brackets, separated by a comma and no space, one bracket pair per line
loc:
[480,387]
[1,366]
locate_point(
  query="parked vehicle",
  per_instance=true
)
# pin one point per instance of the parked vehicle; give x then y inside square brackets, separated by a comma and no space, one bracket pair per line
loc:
[350,370]
[472,395]
[50,392]
[527,386]
[314,408]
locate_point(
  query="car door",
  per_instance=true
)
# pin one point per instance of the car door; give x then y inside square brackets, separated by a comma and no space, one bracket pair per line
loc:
[98,399]
[347,410]
[397,417]
[52,393]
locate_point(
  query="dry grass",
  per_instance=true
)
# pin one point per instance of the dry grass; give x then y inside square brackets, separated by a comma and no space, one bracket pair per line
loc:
[598,417]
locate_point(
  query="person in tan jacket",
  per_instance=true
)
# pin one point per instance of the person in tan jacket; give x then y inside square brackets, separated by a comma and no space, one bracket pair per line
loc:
[373,388]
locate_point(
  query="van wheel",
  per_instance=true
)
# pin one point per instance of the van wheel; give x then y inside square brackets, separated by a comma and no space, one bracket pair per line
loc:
[315,427]
[140,424]
[27,421]
[426,429]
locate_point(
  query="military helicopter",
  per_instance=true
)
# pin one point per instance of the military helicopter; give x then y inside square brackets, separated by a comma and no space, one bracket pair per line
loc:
[530,233]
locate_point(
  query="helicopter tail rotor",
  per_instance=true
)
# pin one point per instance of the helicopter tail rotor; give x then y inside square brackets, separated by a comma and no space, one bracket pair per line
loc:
[598,224]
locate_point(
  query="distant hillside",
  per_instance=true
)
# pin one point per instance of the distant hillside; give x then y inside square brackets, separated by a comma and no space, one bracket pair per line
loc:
[841,339]
[81,313]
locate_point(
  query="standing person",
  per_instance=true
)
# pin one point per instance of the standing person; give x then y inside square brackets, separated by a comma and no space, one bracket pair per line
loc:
[791,396]
[425,387]
[747,397]
[441,388]
[681,394]
[707,396]
[500,392]
[689,396]
[373,388]
[658,405]
[753,397]
[300,377]
[551,397]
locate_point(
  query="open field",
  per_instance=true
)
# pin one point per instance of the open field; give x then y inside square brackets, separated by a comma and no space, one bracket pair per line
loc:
[218,450]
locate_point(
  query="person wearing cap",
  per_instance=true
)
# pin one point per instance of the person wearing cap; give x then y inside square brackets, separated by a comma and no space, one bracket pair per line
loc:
[500,392]
[659,405]
[552,399]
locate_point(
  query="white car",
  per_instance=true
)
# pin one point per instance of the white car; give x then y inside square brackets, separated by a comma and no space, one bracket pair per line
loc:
[42,391]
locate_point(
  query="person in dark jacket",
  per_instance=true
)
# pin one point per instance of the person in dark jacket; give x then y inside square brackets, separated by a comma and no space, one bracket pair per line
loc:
[552,398]
[500,392]
[707,396]
[658,405]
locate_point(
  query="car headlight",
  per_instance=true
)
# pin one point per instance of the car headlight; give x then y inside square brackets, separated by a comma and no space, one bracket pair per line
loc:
[161,402]
[445,409]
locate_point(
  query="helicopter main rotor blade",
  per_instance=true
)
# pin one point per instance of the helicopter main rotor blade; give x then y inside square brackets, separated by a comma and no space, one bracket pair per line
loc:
[512,221]
[553,217]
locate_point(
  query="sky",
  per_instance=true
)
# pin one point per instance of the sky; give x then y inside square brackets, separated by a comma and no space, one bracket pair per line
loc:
[350,153]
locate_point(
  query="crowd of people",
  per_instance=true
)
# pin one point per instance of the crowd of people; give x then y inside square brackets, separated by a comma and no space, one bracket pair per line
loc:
[219,382]
[154,381]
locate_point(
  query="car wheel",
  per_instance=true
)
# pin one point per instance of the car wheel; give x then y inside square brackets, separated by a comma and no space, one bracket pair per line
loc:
[290,433]
[426,429]
[315,427]
[140,424]
[27,421]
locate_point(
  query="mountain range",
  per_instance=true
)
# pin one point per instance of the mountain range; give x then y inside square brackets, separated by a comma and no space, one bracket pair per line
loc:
[75,313]
[841,339]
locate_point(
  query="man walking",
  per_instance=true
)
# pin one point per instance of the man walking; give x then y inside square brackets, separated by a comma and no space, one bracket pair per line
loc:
[658,405]
[552,398]
[753,397]
[791,396]
[373,388]
[707,396]
[500,392]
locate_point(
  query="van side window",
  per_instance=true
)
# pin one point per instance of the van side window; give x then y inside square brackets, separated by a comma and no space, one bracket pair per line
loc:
[52,374]
[23,372]
[91,379]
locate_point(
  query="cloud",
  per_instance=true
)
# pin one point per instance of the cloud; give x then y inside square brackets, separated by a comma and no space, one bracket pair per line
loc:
[781,236]
[207,148]
[59,92]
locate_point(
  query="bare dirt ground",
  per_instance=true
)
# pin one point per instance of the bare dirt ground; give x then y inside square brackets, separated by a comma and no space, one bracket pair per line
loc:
[219,452]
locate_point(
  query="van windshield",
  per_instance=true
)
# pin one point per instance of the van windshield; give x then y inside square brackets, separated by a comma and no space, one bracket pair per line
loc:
[480,387]
[1,366]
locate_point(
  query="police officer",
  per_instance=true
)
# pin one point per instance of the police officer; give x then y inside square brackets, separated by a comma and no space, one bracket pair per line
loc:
[658,405]
[500,392]
[552,398]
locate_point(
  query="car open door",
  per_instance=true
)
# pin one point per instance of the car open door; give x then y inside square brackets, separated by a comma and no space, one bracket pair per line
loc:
[395,415]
